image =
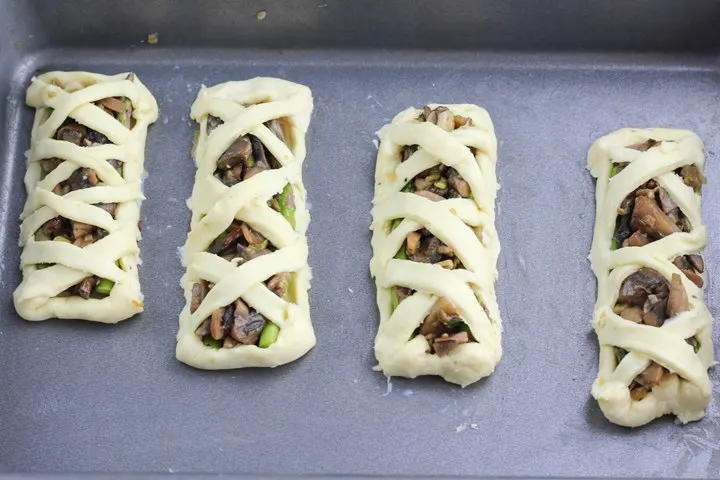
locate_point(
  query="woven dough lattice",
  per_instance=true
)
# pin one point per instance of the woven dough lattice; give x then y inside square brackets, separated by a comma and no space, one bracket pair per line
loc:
[61,97]
[466,225]
[245,107]
[656,155]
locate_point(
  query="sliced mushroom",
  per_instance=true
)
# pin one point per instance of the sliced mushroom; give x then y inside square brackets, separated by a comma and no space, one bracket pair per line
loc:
[652,376]
[434,197]
[440,313]
[251,251]
[637,393]
[226,239]
[199,291]
[252,236]
[82,178]
[73,133]
[447,343]
[254,171]
[236,153]
[53,226]
[407,152]
[428,251]
[217,327]
[692,177]
[637,239]
[649,218]
[85,288]
[85,240]
[654,311]
[638,285]
[203,329]
[50,164]
[247,324]
[112,103]
[108,207]
[697,262]
[275,127]
[445,119]
[666,201]
[461,121]
[677,299]
[646,145]
[80,229]
[259,153]
[279,284]
[412,243]
[634,314]
[684,265]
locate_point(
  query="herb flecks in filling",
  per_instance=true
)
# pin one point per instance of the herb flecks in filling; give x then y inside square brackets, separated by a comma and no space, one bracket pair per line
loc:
[61,229]
[443,328]
[646,297]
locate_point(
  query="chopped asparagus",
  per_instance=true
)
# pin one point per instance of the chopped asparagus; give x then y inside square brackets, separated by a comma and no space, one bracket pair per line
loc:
[61,238]
[104,286]
[269,335]
[286,210]
[620,354]
[209,341]
[394,301]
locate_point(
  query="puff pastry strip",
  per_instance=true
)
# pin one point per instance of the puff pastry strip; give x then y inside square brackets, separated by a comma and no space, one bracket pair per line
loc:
[645,371]
[98,164]
[239,116]
[438,144]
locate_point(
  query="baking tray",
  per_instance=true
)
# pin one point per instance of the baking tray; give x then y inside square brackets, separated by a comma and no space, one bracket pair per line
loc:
[554,75]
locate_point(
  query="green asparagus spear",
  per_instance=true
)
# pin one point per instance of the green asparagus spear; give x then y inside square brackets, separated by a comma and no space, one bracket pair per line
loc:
[104,286]
[209,341]
[286,210]
[61,238]
[401,254]
[394,301]
[125,116]
[269,335]
[614,245]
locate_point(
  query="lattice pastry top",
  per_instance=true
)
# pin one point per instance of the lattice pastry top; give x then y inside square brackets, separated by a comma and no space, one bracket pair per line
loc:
[80,222]
[652,324]
[435,244]
[246,253]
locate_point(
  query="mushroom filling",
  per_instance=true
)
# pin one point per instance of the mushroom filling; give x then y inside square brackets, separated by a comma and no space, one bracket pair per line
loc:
[648,298]
[247,156]
[61,229]
[649,213]
[443,328]
[237,324]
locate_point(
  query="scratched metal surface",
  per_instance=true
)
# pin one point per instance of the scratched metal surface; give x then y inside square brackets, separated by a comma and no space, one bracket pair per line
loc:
[76,397]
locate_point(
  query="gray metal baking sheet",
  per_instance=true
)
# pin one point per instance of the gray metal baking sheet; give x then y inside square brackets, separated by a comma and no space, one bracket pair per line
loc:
[79,397]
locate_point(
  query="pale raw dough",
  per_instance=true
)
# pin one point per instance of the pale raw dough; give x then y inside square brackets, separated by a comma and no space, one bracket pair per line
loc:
[687,391]
[244,107]
[467,226]
[57,96]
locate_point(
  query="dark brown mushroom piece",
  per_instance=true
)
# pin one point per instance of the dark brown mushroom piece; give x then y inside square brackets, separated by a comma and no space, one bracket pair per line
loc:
[654,311]
[439,315]
[247,324]
[251,235]
[407,152]
[649,218]
[428,251]
[646,145]
[53,227]
[697,262]
[82,178]
[445,344]
[199,292]
[237,153]
[259,153]
[203,329]
[226,239]
[276,128]
[73,133]
[666,201]
[683,264]
[636,288]
[113,104]
[677,299]
[85,288]
[637,239]
[247,253]
[50,164]
[217,326]
[651,376]
[108,207]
